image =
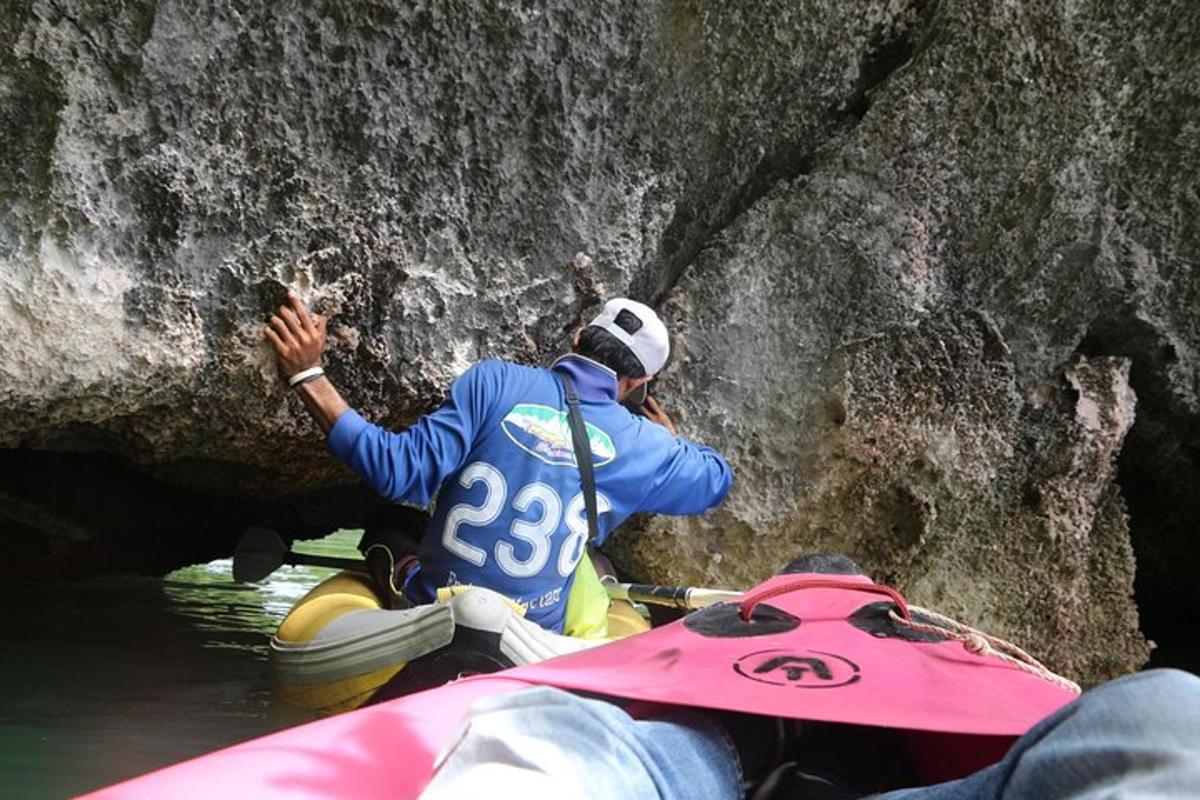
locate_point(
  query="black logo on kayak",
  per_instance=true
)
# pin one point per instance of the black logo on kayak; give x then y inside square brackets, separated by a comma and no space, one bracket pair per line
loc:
[804,669]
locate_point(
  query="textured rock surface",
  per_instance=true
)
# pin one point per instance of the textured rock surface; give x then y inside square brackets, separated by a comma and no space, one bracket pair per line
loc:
[1016,525]
[920,259]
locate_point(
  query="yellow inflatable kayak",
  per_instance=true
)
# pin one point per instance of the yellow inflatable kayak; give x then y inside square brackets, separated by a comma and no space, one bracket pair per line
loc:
[339,648]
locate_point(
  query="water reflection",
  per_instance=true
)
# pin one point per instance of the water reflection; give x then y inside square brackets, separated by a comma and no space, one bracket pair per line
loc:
[108,678]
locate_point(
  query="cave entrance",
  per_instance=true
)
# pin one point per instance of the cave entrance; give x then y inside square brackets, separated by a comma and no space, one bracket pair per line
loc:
[1159,475]
[84,513]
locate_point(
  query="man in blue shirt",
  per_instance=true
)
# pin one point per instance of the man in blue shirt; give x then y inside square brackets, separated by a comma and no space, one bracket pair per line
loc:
[498,456]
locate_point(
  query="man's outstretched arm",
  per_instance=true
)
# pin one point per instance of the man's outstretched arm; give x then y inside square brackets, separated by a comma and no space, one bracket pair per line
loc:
[299,338]
[400,466]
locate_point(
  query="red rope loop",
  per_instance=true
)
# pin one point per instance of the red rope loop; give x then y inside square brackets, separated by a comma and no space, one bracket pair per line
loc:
[748,604]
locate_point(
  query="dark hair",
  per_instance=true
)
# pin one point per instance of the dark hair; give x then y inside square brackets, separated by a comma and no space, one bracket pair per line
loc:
[601,346]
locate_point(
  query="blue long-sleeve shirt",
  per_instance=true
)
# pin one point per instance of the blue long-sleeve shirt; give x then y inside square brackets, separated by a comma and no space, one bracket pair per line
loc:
[498,457]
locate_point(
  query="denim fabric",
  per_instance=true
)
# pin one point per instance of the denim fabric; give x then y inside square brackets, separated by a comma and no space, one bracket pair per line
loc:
[546,743]
[1136,737]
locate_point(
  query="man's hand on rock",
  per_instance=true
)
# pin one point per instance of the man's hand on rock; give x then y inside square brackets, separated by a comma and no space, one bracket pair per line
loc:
[297,336]
[652,411]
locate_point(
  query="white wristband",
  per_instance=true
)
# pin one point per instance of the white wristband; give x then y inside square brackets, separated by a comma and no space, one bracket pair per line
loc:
[304,375]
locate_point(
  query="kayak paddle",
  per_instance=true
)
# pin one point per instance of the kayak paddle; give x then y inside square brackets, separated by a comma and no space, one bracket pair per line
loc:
[261,551]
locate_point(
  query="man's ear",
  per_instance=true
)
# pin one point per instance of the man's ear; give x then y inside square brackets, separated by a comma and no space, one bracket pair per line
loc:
[575,337]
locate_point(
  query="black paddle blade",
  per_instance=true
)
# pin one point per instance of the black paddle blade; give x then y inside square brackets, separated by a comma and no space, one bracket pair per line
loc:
[259,552]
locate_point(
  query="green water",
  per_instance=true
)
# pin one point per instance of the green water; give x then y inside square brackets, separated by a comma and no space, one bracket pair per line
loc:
[104,679]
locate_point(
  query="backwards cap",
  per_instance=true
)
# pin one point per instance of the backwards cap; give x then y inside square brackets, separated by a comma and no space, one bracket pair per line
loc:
[637,327]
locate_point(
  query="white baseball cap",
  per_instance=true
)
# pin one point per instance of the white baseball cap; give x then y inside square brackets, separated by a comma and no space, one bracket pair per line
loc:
[644,333]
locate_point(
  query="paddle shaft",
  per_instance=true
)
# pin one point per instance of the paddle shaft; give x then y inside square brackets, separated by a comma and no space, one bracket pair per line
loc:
[292,558]
[685,597]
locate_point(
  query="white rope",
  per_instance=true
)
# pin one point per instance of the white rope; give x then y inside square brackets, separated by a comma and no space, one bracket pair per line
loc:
[976,641]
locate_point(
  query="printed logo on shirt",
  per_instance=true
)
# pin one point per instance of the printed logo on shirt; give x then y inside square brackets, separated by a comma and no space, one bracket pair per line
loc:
[545,433]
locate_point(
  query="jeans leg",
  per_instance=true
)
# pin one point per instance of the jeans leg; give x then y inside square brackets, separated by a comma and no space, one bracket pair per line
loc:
[1135,737]
[544,742]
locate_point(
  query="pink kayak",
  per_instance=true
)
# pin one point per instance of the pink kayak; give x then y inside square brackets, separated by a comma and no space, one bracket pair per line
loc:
[831,648]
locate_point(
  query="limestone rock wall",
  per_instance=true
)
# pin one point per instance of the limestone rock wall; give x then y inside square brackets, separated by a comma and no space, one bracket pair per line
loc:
[1016,525]
[930,268]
